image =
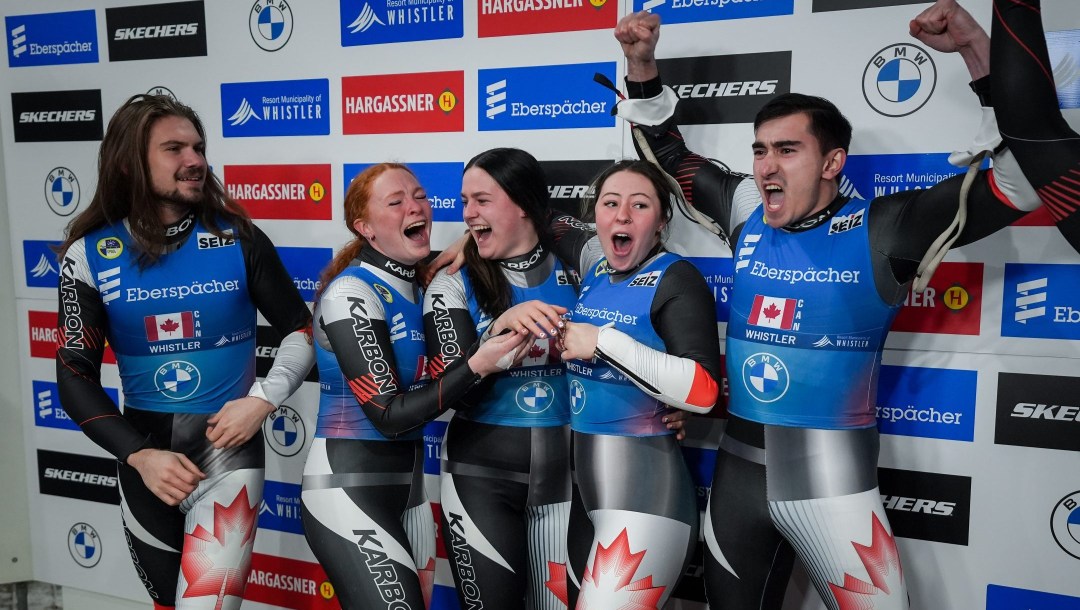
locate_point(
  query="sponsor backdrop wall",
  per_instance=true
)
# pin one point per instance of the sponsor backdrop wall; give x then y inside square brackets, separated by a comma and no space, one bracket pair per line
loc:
[979,403]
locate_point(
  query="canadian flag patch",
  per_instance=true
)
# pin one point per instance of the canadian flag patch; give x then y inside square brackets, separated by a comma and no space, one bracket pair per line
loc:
[170,326]
[772,312]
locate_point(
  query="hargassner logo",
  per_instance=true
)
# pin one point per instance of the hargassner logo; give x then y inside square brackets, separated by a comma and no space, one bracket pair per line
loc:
[517,17]
[304,266]
[280,507]
[1010,598]
[899,79]
[1041,301]
[950,304]
[545,97]
[51,39]
[289,583]
[1038,411]
[821,6]
[686,11]
[403,103]
[381,21]
[441,182]
[45,336]
[57,116]
[927,505]
[276,108]
[39,261]
[270,23]
[284,192]
[931,403]
[873,176]
[155,31]
[726,88]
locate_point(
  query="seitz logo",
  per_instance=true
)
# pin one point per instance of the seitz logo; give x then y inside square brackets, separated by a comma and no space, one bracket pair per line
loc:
[545,97]
[285,192]
[1041,301]
[927,505]
[81,477]
[726,88]
[276,108]
[517,17]
[45,336]
[951,303]
[57,116]
[304,266]
[441,182]
[1010,598]
[1038,411]
[403,103]
[929,403]
[156,31]
[688,11]
[290,583]
[366,22]
[52,39]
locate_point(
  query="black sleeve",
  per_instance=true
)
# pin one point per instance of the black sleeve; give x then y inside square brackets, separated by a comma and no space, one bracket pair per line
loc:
[684,315]
[270,286]
[571,237]
[360,339]
[450,332]
[82,329]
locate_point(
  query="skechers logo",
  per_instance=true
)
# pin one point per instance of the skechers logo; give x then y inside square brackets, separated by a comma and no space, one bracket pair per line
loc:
[731,89]
[918,505]
[58,116]
[157,31]
[1031,410]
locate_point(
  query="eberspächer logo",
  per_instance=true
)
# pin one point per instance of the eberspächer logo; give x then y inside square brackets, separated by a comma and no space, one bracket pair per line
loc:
[1041,301]
[899,79]
[51,39]
[545,97]
[270,23]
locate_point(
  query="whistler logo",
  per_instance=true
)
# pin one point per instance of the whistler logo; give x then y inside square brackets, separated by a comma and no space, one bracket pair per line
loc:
[51,39]
[687,11]
[270,23]
[57,116]
[156,31]
[1038,411]
[950,304]
[545,97]
[441,182]
[434,432]
[927,505]
[1010,598]
[403,103]
[720,278]
[726,88]
[873,176]
[283,192]
[929,403]
[276,108]
[381,21]
[39,261]
[1041,301]
[304,266]
[899,79]
[518,17]
[280,507]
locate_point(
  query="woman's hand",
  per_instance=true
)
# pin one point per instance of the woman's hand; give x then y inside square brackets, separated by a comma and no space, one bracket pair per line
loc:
[500,353]
[536,317]
[453,257]
[578,341]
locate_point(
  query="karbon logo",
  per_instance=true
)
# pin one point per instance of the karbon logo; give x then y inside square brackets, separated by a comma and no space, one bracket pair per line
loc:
[441,182]
[289,192]
[156,31]
[366,22]
[899,79]
[544,97]
[688,11]
[45,336]
[270,23]
[726,88]
[276,108]
[51,39]
[517,17]
[403,103]
[950,304]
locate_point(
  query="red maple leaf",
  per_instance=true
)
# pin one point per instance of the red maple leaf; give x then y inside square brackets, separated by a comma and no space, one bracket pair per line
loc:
[426,575]
[616,563]
[556,582]
[169,325]
[536,351]
[771,311]
[882,563]
[218,563]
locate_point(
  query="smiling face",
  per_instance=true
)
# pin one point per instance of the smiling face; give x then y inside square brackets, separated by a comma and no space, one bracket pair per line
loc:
[794,177]
[499,227]
[176,158]
[629,218]
[397,220]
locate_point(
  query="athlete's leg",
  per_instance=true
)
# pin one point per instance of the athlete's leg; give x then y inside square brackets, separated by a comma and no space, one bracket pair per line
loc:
[484,490]
[639,496]
[747,561]
[1026,104]
[548,513]
[356,496]
[824,498]
[155,536]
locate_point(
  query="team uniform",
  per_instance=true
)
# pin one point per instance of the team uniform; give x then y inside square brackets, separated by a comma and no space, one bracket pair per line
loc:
[814,297]
[365,510]
[183,330]
[635,520]
[1028,113]
[505,487]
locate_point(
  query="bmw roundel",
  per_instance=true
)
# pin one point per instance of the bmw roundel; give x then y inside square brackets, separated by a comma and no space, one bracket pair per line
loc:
[899,79]
[765,377]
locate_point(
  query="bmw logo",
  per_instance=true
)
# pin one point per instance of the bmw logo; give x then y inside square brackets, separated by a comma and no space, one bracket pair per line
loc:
[535,397]
[899,79]
[270,23]
[62,191]
[177,379]
[162,90]
[285,431]
[765,377]
[577,397]
[1065,524]
[84,544]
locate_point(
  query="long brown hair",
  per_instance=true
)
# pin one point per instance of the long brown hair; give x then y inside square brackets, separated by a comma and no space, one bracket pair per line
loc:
[518,174]
[357,198]
[124,187]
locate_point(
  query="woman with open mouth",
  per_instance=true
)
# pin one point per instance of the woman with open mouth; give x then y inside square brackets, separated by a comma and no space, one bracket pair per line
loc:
[506,476]
[363,491]
[642,338]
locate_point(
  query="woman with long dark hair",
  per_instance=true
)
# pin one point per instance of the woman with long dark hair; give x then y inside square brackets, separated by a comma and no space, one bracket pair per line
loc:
[506,478]
[363,496]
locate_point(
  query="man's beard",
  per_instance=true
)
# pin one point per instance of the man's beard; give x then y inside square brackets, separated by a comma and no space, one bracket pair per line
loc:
[176,197]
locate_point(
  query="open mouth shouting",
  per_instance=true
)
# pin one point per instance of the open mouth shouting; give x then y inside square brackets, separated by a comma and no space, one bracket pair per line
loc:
[418,233]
